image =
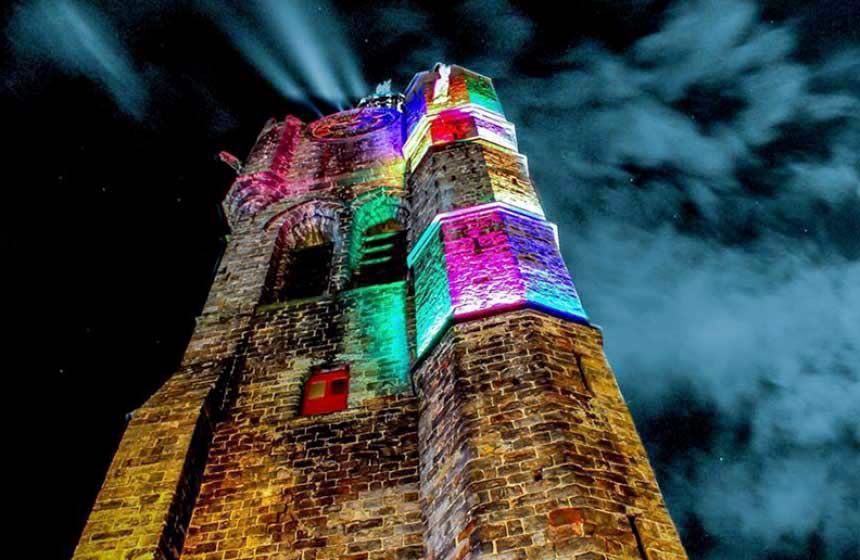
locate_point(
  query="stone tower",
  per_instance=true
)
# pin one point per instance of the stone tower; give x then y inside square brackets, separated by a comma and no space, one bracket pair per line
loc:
[392,363]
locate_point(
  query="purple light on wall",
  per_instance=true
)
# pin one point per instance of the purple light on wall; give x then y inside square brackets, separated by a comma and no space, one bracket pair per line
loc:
[482,270]
[494,257]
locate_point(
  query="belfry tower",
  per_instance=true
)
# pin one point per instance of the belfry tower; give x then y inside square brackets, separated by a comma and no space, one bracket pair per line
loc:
[392,363]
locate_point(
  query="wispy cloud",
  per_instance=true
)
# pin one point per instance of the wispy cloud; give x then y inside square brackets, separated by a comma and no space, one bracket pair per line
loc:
[706,182]
[79,39]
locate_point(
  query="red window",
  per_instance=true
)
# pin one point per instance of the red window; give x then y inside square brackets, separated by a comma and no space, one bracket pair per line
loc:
[326,391]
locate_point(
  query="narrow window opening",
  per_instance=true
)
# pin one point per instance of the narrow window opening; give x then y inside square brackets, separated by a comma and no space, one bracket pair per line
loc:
[582,376]
[383,255]
[639,544]
[326,391]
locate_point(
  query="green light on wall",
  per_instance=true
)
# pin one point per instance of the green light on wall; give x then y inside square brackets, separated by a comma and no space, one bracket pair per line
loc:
[432,296]
[481,92]
[378,336]
[372,208]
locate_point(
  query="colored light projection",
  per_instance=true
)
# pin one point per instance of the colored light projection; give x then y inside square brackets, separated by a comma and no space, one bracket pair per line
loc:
[482,269]
[251,193]
[414,106]
[264,149]
[351,124]
[484,260]
[377,340]
[262,180]
[481,92]
[349,143]
[432,298]
[534,243]
[426,95]
[453,125]
[369,209]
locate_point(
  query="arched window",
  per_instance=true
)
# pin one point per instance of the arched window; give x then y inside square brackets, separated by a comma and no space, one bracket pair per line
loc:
[326,391]
[302,272]
[301,262]
[383,255]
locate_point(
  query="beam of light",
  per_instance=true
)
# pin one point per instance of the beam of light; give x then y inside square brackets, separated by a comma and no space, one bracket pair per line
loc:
[344,56]
[313,43]
[256,52]
[79,39]
[300,49]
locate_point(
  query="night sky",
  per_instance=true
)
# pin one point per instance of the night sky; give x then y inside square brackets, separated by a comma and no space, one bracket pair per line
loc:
[701,158]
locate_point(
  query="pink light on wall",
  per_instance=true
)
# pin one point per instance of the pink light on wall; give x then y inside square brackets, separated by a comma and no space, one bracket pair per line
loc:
[486,259]
[482,270]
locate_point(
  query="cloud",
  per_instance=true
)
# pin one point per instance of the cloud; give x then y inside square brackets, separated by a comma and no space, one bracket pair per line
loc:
[79,39]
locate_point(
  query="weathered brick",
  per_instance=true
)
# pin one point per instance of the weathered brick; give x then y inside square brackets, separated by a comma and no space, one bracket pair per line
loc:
[505,436]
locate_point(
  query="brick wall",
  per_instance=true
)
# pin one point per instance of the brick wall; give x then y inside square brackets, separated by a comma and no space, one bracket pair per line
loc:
[146,500]
[466,174]
[492,431]
[527,448]
[340,485]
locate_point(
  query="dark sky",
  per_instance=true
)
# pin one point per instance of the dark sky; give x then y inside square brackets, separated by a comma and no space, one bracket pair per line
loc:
[702,160]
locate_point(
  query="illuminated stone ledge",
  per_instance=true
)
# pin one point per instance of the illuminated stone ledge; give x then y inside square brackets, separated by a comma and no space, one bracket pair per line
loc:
[466,122]
[466,174]
[488,259]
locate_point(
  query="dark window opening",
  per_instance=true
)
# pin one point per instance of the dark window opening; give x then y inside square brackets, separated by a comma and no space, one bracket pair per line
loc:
[326,391]
[383,255]
[306,272]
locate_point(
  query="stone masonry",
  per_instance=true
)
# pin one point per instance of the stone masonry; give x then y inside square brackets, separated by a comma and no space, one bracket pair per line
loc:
[468,410]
